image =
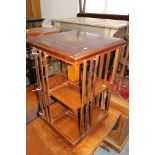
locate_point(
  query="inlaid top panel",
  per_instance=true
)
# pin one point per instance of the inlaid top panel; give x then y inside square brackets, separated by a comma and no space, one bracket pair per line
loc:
[74,46]
[108,23]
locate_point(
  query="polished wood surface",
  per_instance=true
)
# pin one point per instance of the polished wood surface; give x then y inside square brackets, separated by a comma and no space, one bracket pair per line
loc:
[91,94]
[68,95]
[66,124]
[42,140]
[74,46]
[93,53]
[73,99]
[33,32]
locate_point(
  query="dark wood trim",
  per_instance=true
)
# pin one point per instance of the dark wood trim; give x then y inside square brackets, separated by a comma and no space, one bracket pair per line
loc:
[77,60]
[104,16]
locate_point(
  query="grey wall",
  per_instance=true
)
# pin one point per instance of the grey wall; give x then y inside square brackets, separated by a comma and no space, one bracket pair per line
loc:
[55,9]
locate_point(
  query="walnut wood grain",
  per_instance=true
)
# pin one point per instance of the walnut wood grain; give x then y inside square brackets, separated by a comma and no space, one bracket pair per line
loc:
[88,50]
[74,46]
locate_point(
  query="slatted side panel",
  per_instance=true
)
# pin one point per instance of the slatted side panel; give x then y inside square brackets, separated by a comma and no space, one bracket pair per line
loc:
[46,88]
[124,66]
[41,68]
[42,82]
[39,86]
[99,67]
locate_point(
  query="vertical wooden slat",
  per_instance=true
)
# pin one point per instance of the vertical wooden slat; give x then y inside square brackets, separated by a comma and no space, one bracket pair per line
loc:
[85,117]
[79,120]
[95,76]
[43,83]
[38,78]
[98,99]
[100,74]
[90,79]
[107,101]
[102,100]
[107,66]
[115,65]
[47,87]
[83,93]
[90,113]
[95,73]
[101,66]
[41,69]
[123,69]
[84,81]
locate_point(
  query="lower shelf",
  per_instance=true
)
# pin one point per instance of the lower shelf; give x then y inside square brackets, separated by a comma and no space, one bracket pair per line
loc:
[66,126]
[40,139]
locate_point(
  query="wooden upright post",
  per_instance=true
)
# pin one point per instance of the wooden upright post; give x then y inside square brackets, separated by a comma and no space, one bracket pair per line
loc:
[73,73]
